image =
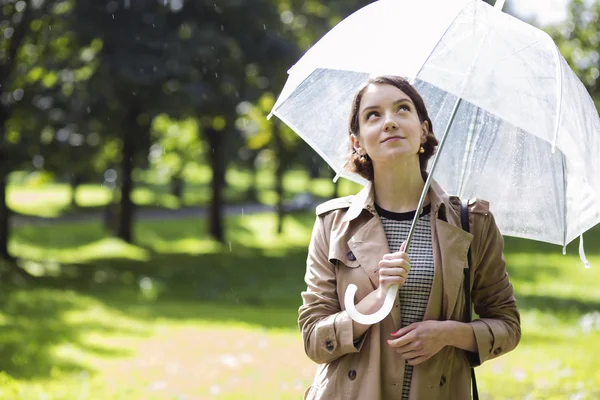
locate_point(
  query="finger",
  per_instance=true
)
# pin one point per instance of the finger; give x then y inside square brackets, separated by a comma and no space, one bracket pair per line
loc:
[410,355]
[418,360]
[393,271]
[398,263]
[387,282]
[403,246]
[396,255]
[405,340]
[405,330]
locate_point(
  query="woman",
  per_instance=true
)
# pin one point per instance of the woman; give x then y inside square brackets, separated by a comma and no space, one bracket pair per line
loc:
[421,350]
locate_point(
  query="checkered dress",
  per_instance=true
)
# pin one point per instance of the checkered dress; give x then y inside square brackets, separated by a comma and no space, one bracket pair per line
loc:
[414,294]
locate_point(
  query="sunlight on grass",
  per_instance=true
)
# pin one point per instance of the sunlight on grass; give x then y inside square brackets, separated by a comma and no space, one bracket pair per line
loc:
[54,199]
[181,317]
[103,248]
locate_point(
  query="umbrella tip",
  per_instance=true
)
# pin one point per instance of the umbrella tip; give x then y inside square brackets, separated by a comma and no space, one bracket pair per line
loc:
[499,4]
[269,116]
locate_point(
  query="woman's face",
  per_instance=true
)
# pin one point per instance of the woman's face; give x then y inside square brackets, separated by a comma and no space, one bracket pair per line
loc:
[389,126]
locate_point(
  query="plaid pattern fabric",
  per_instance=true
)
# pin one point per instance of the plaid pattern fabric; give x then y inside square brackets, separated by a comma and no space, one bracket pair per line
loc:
[414,294]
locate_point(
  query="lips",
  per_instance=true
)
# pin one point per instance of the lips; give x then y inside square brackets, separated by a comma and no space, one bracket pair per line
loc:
[392,137]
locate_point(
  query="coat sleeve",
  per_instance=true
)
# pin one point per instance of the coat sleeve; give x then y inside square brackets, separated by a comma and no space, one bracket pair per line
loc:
[498,329]
[326,330]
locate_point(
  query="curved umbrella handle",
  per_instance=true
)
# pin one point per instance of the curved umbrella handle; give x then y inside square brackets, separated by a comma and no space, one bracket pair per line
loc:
[373,318]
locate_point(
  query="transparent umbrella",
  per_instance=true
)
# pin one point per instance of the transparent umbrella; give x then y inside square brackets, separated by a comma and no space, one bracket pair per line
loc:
[518,127]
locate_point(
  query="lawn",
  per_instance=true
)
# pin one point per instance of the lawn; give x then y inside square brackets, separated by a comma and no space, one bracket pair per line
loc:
[181,317]
[47,199]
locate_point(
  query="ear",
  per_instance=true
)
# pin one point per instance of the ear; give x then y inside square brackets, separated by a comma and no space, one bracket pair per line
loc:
[425,132]
[355,143]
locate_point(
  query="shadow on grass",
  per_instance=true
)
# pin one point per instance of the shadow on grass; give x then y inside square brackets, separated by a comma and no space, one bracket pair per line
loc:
[250,284]
[34,324]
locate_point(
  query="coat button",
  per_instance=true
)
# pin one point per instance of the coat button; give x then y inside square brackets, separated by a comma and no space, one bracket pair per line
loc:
[329,345]
[443,380]
[352,374]
[498,351]
[351,256]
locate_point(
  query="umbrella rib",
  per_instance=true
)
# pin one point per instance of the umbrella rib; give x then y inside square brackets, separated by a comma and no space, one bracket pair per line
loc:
[559,97]
[441,38]
[564,174]
[468,151]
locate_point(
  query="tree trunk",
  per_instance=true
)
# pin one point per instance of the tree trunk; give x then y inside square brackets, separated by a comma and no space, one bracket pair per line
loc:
[4,218]
[75,181]
[177,184]
[126,207]
[217,163]
[252,191]
[279,172]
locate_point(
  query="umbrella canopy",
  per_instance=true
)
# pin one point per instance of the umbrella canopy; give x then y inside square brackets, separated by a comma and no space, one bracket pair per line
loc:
[519,128]
[526,136]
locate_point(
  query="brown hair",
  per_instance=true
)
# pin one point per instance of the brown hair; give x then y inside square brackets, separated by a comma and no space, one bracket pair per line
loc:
[365,167]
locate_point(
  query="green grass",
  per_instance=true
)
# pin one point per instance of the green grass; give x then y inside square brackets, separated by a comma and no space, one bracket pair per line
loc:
[181,317]
[54,199]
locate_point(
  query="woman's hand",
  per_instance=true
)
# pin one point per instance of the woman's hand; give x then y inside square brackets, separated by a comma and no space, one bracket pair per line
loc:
[420,341]
[393,270]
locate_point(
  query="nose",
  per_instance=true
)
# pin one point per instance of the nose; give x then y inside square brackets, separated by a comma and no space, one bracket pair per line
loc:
[389,124]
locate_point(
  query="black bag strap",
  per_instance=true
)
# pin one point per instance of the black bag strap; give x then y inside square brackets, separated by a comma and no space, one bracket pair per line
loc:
[464,218]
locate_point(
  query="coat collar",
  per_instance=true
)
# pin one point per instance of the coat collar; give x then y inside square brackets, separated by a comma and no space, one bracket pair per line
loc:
[365,200]
[450,247]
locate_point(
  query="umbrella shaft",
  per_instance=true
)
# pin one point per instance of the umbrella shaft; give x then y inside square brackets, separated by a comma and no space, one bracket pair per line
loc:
[430,176]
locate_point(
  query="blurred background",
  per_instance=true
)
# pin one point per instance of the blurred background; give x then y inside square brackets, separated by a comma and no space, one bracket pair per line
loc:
[154,224]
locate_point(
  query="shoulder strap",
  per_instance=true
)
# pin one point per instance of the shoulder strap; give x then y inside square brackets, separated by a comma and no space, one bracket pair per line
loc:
[464,219]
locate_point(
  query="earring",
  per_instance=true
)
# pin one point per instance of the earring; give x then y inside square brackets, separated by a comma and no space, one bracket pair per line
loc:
[363,159]
[421,150]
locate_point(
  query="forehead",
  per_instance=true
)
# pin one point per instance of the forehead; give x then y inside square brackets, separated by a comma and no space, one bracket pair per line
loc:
[380,93]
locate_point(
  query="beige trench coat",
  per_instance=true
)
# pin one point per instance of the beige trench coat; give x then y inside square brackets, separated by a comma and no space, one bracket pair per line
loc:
[348,241]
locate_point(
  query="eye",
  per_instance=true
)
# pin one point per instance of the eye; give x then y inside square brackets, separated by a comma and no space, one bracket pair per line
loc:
[371,114]
[404,107]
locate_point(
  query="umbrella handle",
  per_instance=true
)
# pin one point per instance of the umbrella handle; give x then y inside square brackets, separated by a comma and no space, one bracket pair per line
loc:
[390,297]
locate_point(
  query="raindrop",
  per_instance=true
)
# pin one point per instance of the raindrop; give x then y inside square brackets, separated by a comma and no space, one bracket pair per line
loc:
[264,27]
[89,110]
[154,68]
[230,249]
[127,4]
[216,75]
[18,94]
[222,28]
[110,175]
[154,26]
[8,32]
[113,16]
[49,27]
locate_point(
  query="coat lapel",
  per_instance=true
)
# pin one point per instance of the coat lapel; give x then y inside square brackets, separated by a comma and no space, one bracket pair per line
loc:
[453,246]
[369,245]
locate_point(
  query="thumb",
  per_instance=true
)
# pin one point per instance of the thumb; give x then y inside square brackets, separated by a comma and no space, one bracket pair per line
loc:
[403,246]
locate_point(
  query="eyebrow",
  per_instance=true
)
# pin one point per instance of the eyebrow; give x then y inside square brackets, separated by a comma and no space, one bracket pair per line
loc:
[394,103]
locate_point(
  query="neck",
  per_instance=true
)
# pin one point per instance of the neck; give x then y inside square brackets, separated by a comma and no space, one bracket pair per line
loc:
[398,188]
